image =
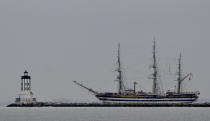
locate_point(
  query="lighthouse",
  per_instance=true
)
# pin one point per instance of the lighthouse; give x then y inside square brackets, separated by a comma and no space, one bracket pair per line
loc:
[26,95]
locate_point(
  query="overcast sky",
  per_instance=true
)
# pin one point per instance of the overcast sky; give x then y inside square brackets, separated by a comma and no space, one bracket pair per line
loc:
[58,41]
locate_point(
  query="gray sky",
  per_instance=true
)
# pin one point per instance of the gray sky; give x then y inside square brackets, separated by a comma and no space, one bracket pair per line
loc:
[58,41]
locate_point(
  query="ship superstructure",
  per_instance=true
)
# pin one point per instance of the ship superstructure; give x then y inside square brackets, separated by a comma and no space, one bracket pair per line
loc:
[125,95]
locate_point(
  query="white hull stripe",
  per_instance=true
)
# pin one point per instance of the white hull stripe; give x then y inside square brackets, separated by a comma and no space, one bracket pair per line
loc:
[151,99]
[146,102]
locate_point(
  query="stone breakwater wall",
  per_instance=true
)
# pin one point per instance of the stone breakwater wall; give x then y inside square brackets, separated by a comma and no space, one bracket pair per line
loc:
[52,104]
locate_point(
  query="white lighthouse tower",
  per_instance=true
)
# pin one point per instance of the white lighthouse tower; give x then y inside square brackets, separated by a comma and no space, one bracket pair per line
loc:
[26,95]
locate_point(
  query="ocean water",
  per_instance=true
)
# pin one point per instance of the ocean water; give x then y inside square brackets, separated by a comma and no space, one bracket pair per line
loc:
[105,114]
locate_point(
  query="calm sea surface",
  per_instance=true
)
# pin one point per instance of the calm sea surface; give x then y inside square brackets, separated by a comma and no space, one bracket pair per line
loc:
[105,114]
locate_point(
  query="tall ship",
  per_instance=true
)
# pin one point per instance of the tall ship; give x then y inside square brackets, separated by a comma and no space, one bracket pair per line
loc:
[125,95]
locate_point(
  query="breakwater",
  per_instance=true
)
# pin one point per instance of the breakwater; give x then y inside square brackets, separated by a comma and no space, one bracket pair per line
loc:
[51,104]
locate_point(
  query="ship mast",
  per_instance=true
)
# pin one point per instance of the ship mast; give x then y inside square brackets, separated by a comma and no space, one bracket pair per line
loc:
[180,78]
[155,73]
[119,70]
[179,75]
